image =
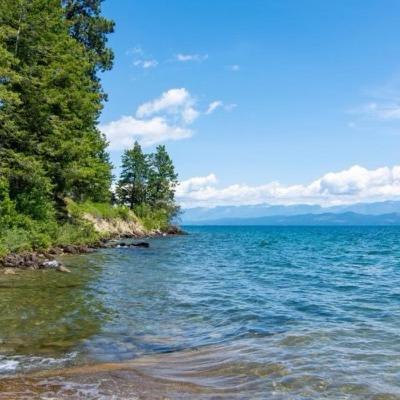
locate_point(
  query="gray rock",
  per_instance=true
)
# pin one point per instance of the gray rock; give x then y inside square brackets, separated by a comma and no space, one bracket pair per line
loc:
[51,264]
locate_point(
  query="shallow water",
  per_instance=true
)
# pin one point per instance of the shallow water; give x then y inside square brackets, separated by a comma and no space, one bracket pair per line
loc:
[225,312]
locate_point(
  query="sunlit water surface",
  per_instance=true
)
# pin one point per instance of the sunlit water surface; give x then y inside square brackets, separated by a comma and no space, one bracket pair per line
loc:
[224,312]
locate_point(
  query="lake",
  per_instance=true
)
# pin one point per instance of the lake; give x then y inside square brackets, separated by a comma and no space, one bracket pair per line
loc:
[224,312]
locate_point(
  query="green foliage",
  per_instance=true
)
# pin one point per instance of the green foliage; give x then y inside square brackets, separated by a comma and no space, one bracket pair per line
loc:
[162,178]
[91,29]
[147,185]
[152,218]
[78,233]
[50,101]
[100,210]
[7,207]
[132,185]
[27,184]
[54,167]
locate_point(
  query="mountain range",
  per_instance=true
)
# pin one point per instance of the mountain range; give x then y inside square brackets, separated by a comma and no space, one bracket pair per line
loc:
[379,213]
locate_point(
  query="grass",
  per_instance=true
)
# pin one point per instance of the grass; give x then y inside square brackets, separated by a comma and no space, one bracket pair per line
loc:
[31,235]
[100,210]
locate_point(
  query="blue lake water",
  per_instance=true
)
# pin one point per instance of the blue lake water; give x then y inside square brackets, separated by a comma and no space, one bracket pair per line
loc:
[240,312]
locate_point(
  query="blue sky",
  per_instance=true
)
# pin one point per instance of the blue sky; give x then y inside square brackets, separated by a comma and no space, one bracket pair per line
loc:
[261,96]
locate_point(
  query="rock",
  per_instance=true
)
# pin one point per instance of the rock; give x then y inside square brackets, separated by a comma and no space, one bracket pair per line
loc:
[175,230]
[55,251]
[82,249]
[13,260]
[51,264]
[61,268]
[141,244]
[70,249]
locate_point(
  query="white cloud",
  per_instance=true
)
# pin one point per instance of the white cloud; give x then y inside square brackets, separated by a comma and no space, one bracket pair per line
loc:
[145,63]
[123,132]
[195,184]
[384,104]
[381,111]
[162,119]
[213,106]
[141,59]
[345,187]
[176,102]
[191,57]
[165,118]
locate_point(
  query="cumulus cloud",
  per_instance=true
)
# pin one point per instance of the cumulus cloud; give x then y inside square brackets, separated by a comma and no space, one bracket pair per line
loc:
[195,184]
[162,119]
[123,132]
[177,102]
[344,187]
[191,57]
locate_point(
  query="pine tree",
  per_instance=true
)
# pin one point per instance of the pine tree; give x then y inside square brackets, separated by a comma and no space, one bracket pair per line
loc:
[56,103]
[90,28]
[163,178]
[132,186]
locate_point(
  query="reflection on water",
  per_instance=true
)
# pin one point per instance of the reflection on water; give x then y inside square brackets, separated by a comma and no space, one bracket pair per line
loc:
[226,312]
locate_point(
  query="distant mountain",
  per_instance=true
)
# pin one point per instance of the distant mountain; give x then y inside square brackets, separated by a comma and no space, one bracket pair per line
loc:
[334,219]
[202,214]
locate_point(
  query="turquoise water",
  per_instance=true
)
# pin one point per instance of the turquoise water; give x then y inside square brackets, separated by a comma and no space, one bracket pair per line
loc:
[285,312]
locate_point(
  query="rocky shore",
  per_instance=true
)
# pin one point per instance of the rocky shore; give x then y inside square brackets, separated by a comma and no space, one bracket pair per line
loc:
[48,260]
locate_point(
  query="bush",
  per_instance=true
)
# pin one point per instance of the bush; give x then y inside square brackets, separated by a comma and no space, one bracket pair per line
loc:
[100,210]
[152,219]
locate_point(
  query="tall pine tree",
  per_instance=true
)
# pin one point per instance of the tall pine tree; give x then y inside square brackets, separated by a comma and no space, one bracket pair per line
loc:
[163,178]
[132,187]
[51,101]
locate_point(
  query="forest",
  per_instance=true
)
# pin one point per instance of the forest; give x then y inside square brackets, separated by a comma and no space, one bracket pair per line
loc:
[54,163]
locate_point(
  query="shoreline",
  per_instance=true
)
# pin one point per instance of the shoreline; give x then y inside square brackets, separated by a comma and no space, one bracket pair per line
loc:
[40,260]
[120,380]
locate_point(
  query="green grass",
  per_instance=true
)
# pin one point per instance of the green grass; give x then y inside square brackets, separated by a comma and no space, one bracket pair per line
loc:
[41,237]
[100,210]
[152,219]
[26,234]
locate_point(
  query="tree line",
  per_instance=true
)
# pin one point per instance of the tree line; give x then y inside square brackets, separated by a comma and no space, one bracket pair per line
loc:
[147,180]
[51,54]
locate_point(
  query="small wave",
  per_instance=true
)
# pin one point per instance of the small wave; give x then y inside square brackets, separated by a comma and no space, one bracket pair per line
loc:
[19,363]
[7,365]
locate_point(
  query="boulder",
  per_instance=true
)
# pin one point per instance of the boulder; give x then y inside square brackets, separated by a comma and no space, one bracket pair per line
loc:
[141,244]
[51,264]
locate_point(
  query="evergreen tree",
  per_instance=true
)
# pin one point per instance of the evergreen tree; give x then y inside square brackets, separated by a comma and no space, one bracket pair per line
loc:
[132,186]
[52,103]
[163,178]
[90,28]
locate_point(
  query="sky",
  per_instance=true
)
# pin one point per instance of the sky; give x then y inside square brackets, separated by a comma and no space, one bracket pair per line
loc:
[261,101]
